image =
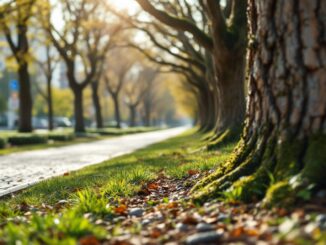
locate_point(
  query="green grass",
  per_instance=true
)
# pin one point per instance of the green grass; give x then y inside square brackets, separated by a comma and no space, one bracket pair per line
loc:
[67,137]
[91,188]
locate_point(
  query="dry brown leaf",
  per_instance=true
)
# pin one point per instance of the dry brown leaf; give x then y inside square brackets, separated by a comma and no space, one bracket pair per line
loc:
[190,220]
[152,186]
[120,209]
[172,205]
[252,232]
[236,232]
[89,240]
[155,233]
[192,172]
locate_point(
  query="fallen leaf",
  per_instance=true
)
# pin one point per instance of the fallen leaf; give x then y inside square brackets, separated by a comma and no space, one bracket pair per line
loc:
[190,220]
[172,205]
[155,233]
[252,232]
[152,186]
[89,240]
[121,209]
[237,232]
[192,172]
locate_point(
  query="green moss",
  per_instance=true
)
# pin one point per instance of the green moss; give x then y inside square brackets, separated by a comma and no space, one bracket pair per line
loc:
[288,154]
[230,135]
[315,160]
[279,194]
[252,188]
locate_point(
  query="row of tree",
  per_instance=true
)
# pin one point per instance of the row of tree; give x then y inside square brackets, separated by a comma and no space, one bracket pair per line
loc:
[86,42]
[266,79]
[284,56]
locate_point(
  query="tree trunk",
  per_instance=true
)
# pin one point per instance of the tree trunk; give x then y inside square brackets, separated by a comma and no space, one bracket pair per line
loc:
[207,108]
[79,110]
[132,111]
[285,128]
[117,111]
[231,98]
[147,116]
[25,99]
[50,104]
[97,105]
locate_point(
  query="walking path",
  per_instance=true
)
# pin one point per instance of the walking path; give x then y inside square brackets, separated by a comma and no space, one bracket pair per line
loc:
[20,170]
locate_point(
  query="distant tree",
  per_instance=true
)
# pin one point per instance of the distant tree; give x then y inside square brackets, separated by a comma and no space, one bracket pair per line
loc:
[150,97]
[48,67]
[79,45]
[134,91]
[116,77]
[225,41]
[15,17]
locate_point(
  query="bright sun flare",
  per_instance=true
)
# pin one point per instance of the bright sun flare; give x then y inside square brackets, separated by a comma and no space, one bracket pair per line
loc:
[129,5]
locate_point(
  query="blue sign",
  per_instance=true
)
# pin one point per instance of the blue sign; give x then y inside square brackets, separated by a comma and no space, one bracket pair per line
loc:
[14,85]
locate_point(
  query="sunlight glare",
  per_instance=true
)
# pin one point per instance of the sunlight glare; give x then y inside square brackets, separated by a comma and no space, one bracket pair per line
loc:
[130,6]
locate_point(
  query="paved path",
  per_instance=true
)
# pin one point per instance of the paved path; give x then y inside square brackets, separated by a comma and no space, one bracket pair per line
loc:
[20,170]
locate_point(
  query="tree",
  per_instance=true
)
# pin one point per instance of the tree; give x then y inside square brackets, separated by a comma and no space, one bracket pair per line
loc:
[80,43]
[150,97]
[14,22]
[96,101]
[134,92]
[116,77]
[284,135]
[47,67]
[227,45]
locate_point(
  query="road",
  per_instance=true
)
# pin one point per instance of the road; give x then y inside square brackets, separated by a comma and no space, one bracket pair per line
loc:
[20,170]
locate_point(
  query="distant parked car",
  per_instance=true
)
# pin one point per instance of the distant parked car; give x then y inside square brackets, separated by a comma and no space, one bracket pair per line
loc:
[39,123]
[62,122]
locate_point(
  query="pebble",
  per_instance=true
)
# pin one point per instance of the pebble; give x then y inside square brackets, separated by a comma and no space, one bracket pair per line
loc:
[119,219]
[145,222]
[181,227]
[204,238]
[138,212]
[202,227]
[321,194]
[222,217]
[321,221]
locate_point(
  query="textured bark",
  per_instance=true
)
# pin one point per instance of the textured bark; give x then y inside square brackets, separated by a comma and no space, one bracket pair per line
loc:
[25,99]
[229,51]
[97,104]
[285,130]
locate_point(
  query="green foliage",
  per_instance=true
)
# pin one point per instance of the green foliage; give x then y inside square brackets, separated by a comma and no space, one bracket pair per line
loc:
[280,193]
[232,194]
[3,143]
[97,185]
[61,136]
[119,131]
[315,160]
[27,139]
[90,202]
[50,229]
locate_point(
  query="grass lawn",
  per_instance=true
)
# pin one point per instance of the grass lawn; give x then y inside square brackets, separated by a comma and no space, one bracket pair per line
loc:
[93,205]
[54,210]
[91,135]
